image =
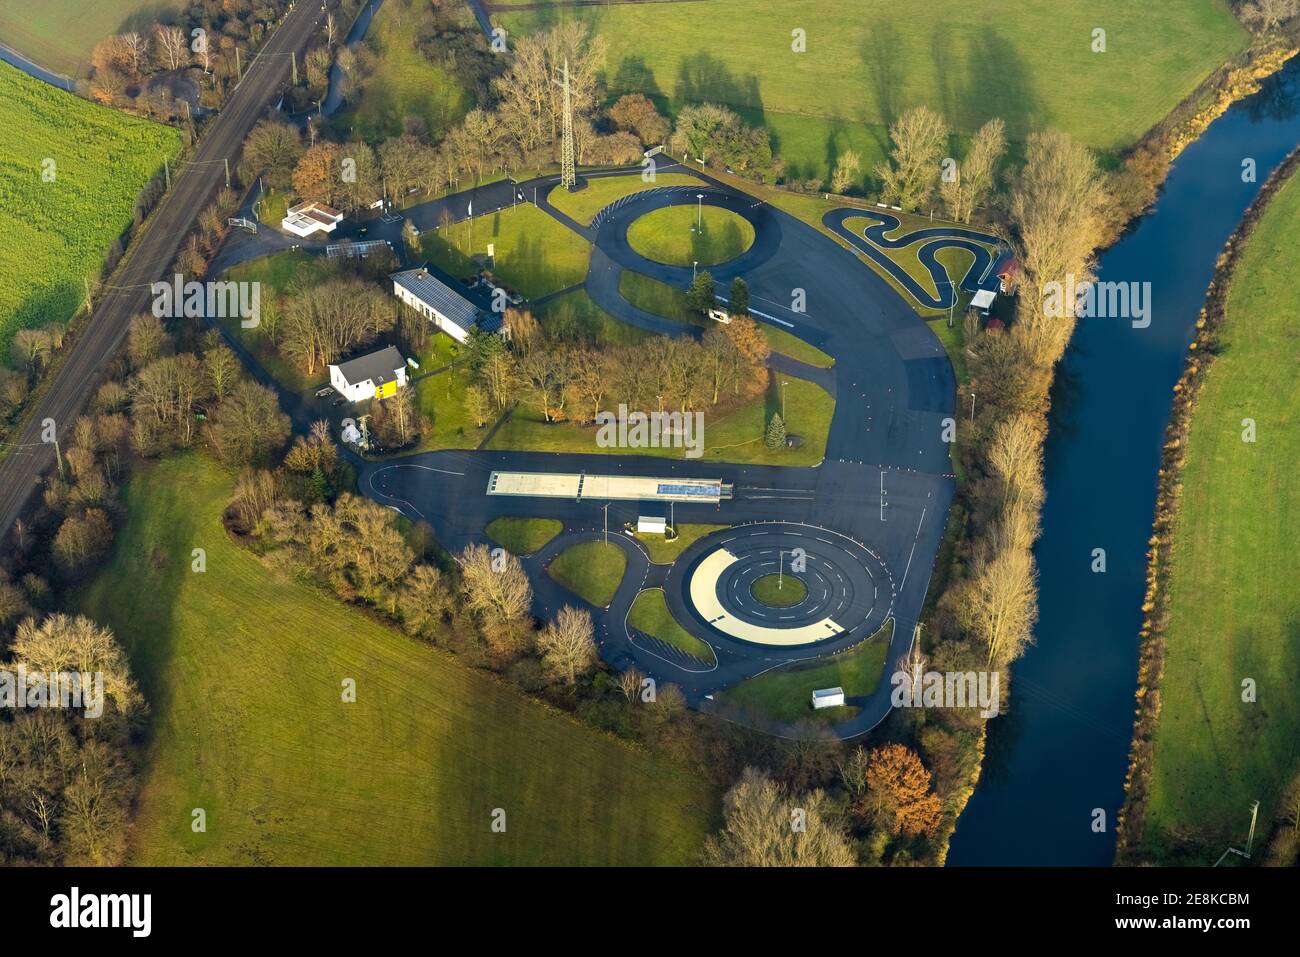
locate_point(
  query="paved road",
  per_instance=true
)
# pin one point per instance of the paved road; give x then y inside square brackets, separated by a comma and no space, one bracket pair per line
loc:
[151,255]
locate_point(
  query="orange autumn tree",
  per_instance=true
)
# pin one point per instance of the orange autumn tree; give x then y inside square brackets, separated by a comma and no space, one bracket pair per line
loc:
[898,792]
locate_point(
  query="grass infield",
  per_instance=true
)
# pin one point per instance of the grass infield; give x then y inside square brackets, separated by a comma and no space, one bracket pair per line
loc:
[682,235]
[650,614]
[591,570]
[779,591]
[523,536]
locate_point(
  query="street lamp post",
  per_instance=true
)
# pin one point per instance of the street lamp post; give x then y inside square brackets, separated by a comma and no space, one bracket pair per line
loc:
[699,218]
[694,264]
[972,406]
[784,383]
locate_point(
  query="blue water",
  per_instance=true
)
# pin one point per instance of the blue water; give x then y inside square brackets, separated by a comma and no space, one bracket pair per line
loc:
[1062,751]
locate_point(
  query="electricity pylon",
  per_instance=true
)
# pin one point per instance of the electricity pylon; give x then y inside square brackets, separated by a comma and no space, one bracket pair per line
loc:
[568,166]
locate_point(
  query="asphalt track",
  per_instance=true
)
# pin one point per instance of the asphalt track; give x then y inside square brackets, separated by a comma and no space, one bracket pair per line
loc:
[28,458]
[869,518]
[874,239]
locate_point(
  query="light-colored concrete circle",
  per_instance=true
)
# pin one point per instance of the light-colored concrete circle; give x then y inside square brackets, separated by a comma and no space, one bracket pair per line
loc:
[849,588]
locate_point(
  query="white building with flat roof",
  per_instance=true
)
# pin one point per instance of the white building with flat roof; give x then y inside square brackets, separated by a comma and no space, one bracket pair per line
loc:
[578,486]
[304,219]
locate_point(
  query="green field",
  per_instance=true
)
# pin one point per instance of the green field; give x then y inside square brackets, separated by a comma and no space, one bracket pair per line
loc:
[779,591]
[591,570]
[664,552]
[1234,607]
[649,613]
[59,34]
[523,536]
[404,83]
[242,666]
[732,436]
[535,254]
[600,192]
[64,198]
[682,235]
[1029,62]
[785,694]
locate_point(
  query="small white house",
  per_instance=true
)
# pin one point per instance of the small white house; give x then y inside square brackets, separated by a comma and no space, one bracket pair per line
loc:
[379,374]
[304,219]
[442,305]
[827,698]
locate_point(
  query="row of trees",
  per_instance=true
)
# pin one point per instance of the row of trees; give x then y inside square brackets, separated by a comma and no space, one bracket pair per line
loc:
[920,168]
[574,383]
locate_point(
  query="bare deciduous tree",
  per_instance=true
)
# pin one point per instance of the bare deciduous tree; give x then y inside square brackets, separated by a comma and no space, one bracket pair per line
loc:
[566,644]
[920,137]
[973,180]
[765,826]
[495,586]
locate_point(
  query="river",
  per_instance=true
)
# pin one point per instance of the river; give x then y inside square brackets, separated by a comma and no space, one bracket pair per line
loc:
[1061,754]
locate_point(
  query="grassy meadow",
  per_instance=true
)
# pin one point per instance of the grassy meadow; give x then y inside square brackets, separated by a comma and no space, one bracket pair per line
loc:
[70,172]
[403,83]
[864,63]
[59,34]
[243,668]
[1234,608]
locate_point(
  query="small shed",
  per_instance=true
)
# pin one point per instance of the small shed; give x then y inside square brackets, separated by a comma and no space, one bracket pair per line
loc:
[652,525]
[983,300]
[827,698]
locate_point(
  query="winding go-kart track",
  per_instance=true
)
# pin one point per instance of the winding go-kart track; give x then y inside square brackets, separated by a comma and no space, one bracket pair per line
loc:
[868,519]
[873,239]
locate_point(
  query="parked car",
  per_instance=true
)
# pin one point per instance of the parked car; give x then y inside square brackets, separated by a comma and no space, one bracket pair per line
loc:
[719,315]
[337,402]
[327,390]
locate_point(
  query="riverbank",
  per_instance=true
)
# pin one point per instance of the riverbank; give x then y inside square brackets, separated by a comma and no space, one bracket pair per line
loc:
[1191,775]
